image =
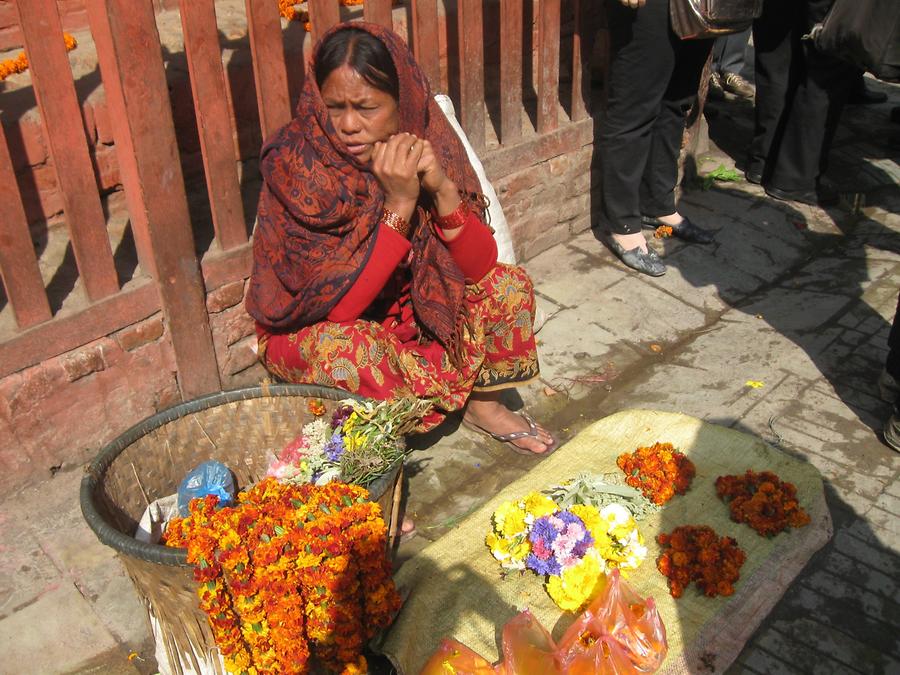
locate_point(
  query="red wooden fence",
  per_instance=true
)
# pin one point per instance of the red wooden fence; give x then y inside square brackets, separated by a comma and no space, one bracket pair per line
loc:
[134,79]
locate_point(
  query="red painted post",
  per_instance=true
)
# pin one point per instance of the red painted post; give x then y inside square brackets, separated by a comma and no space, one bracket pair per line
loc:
[581,42]
[379,11]
[323,14]
[425,40]
[471,68]
[201,42]
[511,107]
[269,71]
[136,50]
[18,263]
[64,130]
[548,66]
[115,105]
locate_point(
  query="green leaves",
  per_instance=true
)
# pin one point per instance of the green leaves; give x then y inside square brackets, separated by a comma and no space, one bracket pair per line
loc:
[720,173]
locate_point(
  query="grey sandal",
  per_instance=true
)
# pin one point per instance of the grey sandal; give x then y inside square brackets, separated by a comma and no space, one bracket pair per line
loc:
[516,435]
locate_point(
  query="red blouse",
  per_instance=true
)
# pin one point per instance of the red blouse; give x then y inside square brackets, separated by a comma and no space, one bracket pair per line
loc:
[474,250]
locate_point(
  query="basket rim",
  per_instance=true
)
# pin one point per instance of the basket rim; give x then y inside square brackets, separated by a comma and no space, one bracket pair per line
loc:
[96,470]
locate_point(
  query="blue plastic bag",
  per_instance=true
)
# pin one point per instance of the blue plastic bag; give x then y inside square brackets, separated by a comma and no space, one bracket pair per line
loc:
[209,478]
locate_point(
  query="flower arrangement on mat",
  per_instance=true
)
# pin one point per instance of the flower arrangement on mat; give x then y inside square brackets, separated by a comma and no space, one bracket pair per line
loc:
[698,554]
[659,471]
[572,547]
[357,444]
[293,578]
[763,501]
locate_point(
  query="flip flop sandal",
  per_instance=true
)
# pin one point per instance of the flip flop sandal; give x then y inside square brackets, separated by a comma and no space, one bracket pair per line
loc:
[516,435]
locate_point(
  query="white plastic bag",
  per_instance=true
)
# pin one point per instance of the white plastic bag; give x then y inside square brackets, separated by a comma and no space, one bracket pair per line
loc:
[498,222]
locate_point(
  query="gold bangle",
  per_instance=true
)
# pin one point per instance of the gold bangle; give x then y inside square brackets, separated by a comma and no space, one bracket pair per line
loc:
[396,222]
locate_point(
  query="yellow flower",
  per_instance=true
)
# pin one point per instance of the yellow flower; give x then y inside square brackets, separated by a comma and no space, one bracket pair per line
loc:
[503,512]
[578,585]
[591,518]
[540,505]
[511,553]
[513,523]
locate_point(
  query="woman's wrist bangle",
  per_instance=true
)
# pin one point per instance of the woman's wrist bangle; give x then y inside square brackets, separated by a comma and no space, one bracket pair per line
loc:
[455,219]
[396,222]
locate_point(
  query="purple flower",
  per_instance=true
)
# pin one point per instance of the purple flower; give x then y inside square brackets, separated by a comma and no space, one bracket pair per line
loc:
[341,414]
[335,447]
[558,541]
[542,567]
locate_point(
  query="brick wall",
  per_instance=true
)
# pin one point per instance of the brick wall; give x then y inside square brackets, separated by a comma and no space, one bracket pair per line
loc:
[61,412]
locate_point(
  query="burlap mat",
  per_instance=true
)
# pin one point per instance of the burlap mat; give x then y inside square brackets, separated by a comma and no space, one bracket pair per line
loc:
[456,590]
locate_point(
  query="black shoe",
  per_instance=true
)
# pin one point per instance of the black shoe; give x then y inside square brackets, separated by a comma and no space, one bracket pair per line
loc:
[891,432]
[685,230]
[819,197]
[862,95]
[754,177]
[646,263]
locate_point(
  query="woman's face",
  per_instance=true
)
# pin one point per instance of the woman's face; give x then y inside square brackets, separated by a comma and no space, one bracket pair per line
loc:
[361,114]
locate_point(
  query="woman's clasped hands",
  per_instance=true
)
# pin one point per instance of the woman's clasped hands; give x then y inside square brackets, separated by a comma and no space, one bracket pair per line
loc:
[404,165]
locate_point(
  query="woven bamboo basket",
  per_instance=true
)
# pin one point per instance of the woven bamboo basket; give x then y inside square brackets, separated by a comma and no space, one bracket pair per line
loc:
[242,429]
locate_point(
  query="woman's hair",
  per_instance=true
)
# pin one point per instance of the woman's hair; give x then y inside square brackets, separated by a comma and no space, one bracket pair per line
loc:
[364,53]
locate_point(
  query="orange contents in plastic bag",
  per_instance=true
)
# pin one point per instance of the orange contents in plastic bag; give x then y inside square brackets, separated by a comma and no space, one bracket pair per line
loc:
[454,658]
[619,634]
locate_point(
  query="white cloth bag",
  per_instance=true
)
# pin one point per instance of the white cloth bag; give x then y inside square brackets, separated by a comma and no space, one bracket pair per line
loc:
[498,222]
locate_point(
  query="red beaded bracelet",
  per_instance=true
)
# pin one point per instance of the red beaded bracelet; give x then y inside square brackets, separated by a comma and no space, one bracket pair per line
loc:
[455,219]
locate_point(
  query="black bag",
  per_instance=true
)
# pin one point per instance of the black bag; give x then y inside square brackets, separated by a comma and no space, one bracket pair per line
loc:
[864,32]
[697,19]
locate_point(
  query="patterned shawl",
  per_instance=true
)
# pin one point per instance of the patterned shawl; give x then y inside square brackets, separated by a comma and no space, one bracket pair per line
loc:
[320,208]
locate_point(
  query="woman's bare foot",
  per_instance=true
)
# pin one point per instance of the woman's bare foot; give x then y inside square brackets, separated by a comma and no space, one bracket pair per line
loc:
[486,411]
[631,241]
[674,219]
[408,525]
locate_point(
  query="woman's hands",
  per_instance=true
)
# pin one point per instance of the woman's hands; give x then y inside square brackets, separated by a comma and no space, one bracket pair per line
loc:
[404,165]
[633,4]
[395,163]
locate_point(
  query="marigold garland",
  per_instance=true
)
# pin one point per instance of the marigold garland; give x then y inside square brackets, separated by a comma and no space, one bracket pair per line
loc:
[763,501]
[288,11]
[659,471]
[20,63]
[293,577]
[663,232]
[698,554]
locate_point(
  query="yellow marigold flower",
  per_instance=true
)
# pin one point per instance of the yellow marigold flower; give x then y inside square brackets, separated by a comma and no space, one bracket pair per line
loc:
[578,585]
[540,505]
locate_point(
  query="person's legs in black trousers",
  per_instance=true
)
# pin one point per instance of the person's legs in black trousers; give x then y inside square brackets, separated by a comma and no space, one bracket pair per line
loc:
[774,43]
[799,95]
[641,65]
[661,172]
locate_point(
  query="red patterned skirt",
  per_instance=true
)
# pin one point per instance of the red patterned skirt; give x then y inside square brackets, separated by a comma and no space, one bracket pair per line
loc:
[386,358]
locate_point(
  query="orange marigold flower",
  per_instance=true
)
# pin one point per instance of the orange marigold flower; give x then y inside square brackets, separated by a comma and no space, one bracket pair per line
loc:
[658,471]
[698,560]
[762,501]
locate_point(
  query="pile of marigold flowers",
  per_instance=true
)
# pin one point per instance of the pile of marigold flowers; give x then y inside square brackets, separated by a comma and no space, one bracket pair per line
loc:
[663,232]
[658,471]
[698,554]
[20,63]
[293,578]
[763,501]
